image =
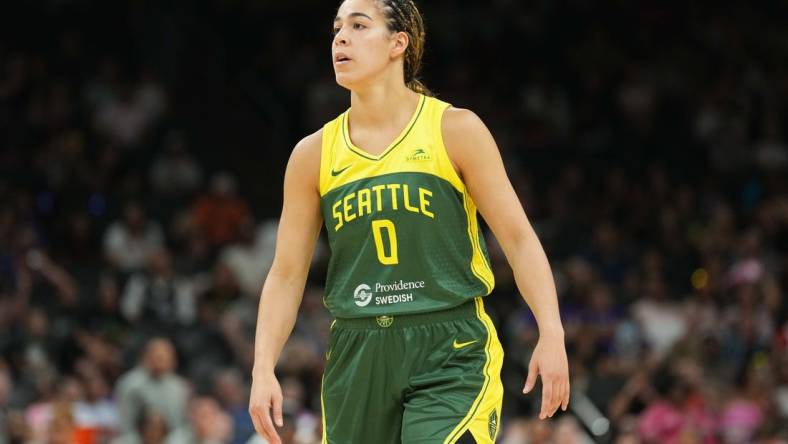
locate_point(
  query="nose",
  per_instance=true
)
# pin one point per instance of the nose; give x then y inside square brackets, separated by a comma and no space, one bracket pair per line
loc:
[340,39]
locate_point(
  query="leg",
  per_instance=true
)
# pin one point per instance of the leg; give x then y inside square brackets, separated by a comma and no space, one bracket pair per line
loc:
[362,403]
[456,395]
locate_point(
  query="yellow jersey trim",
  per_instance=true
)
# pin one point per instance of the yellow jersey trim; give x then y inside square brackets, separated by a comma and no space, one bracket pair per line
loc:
[445,166]
[492,399]
[402,135]
[341,164]
[324,438]
[491,394]
[479,265]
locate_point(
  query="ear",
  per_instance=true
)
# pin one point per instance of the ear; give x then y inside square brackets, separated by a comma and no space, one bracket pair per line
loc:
[400,42]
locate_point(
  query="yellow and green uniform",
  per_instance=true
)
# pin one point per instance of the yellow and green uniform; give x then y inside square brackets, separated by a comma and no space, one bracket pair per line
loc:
[412,357]
[402,228]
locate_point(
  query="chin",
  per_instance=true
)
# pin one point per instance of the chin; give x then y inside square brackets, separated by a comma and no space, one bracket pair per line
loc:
[344,80]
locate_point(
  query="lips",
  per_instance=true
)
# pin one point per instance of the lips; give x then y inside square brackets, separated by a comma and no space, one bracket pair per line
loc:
[341,57]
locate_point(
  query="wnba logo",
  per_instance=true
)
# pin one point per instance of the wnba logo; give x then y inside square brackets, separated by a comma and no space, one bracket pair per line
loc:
[362,295]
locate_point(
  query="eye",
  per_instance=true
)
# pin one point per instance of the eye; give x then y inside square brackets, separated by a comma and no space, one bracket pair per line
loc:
[358,26]
[335,30]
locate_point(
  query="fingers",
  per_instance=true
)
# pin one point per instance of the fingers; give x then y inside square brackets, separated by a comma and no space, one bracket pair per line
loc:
[558,394]
[261,419]
[530,381]
[258,426]
[559,389]
[547,398]
[277,399]
[555,394]
[256,415]
[553,370]
[554,390]
[269,429]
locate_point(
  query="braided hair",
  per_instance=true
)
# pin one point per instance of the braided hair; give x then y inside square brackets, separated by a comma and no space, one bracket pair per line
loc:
[404,16]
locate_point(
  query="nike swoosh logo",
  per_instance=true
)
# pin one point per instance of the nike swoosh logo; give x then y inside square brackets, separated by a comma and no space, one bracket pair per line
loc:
[337,173]
[459,345]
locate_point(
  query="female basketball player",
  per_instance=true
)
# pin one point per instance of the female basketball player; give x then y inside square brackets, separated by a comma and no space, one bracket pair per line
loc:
[396,180]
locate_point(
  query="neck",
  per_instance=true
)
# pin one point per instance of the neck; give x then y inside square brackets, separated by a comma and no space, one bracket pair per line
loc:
[382,105]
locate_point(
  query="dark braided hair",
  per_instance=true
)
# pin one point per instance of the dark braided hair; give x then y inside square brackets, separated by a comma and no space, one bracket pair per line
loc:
[404,16]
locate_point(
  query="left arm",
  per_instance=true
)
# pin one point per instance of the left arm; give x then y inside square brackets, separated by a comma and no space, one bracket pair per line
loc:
[475,154]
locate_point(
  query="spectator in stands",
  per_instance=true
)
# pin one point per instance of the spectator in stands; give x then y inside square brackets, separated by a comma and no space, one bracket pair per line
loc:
[151,429]
[232,394]
[127,114]
[220,213]
[130,242]
[247,259]
[746,410]
[175,173]
[153,385]
[208,424]
[158,297]
[677,413]
[661,319]
[96,411]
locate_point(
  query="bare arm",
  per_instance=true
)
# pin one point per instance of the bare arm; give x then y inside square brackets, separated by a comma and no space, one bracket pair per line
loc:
[477,159]
[472,148]
[299,228]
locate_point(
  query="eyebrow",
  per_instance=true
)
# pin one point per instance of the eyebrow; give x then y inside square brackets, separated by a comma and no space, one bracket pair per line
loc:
[353,14]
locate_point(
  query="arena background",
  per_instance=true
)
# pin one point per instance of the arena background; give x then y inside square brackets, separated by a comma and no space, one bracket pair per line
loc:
[142,151]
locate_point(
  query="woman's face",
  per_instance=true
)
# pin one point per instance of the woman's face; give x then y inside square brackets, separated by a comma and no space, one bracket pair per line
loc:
[363,47]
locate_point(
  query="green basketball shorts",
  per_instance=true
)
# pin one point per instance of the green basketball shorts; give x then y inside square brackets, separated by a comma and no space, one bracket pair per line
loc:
[429,378]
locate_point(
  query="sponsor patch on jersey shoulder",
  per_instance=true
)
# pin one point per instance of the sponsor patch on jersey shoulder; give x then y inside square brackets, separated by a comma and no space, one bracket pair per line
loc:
[418,154]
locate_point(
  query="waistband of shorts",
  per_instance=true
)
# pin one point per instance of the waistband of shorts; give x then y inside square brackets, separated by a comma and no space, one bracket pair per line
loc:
[463,311]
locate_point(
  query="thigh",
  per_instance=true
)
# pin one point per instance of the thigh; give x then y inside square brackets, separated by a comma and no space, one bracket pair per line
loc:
[361,393]
[456,396]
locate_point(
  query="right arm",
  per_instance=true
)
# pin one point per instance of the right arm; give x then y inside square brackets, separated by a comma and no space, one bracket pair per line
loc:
[299,228]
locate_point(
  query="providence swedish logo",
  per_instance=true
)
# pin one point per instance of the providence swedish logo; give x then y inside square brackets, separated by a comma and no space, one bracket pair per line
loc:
[362,295]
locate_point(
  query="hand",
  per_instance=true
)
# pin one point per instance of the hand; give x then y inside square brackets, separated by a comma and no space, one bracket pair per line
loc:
[549,360]
[266,394]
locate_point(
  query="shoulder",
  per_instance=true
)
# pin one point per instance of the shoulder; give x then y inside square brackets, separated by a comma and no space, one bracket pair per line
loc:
[460,120]
[304,160]
[465,136]
[461,127]
[131,379]
[309,147]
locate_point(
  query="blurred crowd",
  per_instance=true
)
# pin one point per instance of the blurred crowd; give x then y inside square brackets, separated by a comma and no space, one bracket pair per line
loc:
[141,158]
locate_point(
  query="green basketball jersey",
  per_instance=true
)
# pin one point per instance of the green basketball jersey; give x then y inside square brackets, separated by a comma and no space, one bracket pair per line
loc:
[402,228]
